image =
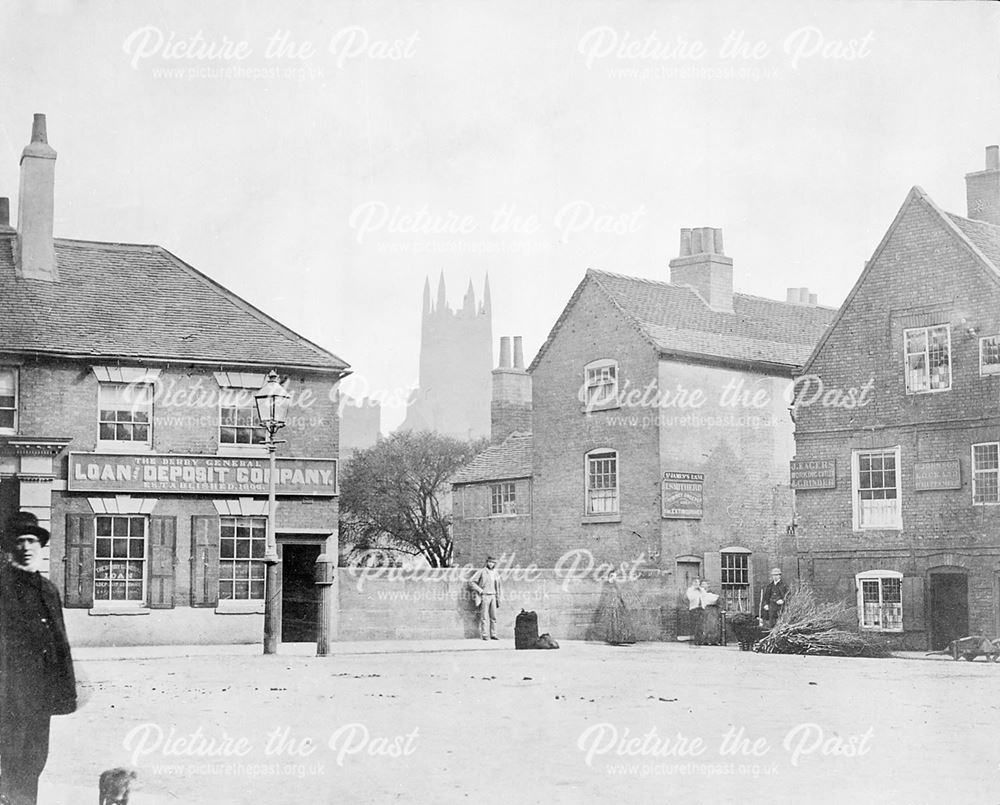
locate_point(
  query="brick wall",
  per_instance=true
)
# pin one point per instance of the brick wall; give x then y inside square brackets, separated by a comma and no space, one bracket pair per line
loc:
[923,276]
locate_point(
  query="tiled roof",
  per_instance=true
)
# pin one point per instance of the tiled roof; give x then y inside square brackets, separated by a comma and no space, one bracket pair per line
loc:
[984,236]
[510,459]
[131,301]
[676,319]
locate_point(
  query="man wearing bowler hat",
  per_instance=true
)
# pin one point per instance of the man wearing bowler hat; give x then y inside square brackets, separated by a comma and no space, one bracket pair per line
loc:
[36,669]
[486,585]
[772,600]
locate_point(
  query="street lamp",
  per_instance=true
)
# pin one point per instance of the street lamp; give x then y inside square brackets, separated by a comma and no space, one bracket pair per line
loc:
[272,410]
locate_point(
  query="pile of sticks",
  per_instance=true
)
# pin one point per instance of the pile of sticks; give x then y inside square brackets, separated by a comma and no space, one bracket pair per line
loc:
[807,626]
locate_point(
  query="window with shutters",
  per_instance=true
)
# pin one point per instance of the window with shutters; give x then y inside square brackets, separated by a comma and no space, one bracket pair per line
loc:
[736,580]
[880,600]
[8,399]
[120,559]
[241,558]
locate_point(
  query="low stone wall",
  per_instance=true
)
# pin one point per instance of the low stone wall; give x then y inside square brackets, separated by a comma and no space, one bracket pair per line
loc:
[178,626]
[381,604]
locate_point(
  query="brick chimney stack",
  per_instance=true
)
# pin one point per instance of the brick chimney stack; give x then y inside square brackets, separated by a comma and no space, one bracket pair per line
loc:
[982,189]
[36,256]
[511,405]
[703,265]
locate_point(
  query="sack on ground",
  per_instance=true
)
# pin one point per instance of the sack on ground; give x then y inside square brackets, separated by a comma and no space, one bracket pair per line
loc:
[525,630]
[545,641]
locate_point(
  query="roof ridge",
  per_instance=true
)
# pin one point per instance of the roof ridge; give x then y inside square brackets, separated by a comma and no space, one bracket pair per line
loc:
[250,308]
[79,243]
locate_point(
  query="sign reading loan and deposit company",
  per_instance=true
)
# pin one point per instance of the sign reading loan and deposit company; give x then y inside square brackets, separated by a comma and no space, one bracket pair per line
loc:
[199,474]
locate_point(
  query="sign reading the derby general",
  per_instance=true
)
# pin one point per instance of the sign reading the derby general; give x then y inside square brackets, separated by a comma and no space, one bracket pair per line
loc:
[937,475]
[814,474]
[199,474]
[682,495]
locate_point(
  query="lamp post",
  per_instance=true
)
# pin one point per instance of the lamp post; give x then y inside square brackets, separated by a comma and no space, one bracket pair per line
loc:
[272,410]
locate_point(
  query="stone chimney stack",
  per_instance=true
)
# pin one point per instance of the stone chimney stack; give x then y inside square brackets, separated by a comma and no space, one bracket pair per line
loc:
[36,255]
[703,265]
[982,189]
[511,405]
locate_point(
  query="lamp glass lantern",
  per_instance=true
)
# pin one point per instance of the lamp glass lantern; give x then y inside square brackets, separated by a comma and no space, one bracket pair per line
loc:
[272,403]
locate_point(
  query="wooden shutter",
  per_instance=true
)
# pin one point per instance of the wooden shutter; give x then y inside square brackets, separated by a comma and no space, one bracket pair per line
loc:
[913,603]
[79,561]
[204,561]
[162,556]
[712,568]
[760,570]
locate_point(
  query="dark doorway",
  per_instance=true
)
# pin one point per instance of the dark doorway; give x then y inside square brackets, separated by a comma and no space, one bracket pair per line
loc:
[949,608]
[299,604]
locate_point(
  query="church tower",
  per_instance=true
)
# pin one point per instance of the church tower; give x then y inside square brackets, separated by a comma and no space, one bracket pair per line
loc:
[456,362]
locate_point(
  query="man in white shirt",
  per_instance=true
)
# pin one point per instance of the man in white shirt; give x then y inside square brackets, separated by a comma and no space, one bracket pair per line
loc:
[486,584]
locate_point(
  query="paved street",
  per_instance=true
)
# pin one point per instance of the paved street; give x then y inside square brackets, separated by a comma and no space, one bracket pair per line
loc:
[478,722]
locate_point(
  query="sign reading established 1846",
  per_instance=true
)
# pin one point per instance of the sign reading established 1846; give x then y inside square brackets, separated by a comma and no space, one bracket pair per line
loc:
[814,474]
[199,474]
[682,495]
[937,475]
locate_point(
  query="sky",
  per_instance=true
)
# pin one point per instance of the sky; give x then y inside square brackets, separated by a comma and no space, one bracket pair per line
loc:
[322,159]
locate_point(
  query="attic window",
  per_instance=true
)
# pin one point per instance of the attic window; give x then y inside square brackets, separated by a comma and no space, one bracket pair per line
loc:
[600,380]
[928,359]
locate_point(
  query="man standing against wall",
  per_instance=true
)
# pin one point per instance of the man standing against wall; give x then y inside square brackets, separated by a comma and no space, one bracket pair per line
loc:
[772,600]
[486,584]
[36,669]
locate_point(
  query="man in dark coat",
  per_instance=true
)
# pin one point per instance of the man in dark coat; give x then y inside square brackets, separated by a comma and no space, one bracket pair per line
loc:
[36,669]
[772,600]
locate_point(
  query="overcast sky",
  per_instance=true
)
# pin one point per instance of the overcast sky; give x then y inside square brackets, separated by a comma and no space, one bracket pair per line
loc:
[378,143]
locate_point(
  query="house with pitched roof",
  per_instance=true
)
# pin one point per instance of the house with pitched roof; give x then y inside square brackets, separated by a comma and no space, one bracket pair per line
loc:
[127,426]
[898,429]
[660,432]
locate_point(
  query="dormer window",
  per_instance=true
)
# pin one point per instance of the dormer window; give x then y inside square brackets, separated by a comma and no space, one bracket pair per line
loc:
[601,384]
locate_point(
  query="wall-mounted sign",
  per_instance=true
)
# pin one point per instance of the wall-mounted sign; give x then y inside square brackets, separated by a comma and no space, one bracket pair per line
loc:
[681,493]
[814,473]
[937,475]
[153,473]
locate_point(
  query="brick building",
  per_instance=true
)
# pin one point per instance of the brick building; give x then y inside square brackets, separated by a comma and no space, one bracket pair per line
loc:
[127,426]
[659,431]
[897,450]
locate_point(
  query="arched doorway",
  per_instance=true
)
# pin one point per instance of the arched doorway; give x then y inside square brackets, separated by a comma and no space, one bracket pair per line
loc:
[949,605]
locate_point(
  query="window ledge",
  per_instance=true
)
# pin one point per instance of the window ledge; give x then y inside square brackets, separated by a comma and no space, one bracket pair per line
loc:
[593,409]
[587,519]
[229,607]
[242,450]
[112,610]
[123,447]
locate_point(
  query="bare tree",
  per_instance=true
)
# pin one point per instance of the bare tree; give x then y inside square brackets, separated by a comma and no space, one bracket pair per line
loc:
[394,495]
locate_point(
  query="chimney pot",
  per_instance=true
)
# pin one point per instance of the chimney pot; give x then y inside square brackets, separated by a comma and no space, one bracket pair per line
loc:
[4,212]
[504,352]
[992,157]
[792,296]
[685,243]
[813,299]
[518,353]
[38,132]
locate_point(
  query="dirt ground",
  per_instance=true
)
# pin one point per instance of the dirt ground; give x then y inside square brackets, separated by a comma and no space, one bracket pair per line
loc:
[475,722]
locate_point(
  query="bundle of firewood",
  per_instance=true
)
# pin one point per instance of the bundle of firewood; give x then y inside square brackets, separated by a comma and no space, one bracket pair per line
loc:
[807,626]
